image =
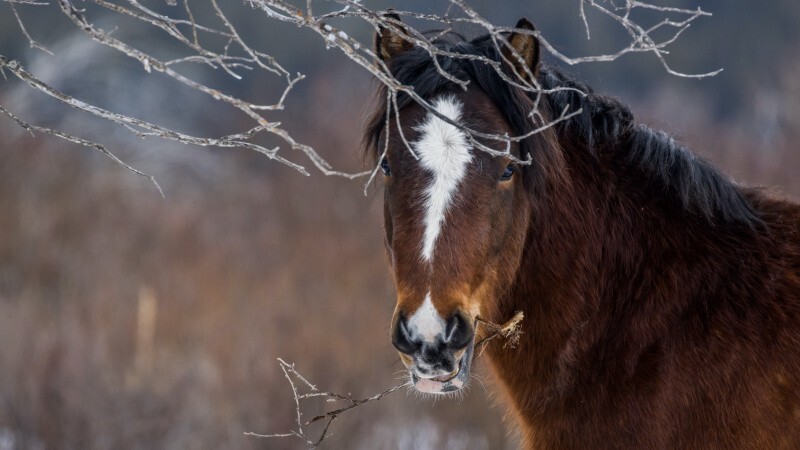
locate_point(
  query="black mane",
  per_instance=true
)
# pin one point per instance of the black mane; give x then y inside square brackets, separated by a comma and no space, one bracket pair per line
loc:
[604,125]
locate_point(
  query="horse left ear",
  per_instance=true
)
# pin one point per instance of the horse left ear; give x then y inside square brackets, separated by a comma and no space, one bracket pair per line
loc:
[527,50]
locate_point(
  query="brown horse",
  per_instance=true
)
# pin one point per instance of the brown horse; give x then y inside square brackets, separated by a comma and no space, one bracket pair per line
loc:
[661,299]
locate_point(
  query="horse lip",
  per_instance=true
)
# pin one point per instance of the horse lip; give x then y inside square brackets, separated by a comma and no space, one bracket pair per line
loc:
[451,375]
[451,383]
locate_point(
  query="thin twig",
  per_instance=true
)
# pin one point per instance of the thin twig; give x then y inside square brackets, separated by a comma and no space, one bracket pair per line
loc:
[81,141]
[31,42]
[510,331]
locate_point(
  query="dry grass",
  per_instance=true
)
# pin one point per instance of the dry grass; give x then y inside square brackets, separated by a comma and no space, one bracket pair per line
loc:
[128,321]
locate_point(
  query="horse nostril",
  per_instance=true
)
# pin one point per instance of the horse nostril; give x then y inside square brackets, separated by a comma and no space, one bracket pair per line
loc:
[401,338]
[459,332]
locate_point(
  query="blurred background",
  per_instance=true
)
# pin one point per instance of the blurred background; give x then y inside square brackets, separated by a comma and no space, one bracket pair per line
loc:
[132,321]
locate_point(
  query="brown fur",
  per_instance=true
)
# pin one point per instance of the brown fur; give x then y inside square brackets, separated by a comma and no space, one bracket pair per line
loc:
[649,329]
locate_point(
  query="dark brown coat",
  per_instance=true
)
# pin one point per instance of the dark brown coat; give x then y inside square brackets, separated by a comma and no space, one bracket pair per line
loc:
[661,300]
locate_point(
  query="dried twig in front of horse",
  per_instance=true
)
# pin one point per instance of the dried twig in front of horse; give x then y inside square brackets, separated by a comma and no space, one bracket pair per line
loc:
[510,331]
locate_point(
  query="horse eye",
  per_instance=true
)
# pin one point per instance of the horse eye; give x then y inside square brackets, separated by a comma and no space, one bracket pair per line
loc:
[385,166]
[508,173]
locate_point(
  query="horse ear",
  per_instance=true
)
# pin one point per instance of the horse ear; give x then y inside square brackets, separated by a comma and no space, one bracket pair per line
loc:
[526,47]
[388,41]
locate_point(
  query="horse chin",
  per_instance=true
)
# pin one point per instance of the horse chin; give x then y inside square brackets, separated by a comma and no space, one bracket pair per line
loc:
[456,383]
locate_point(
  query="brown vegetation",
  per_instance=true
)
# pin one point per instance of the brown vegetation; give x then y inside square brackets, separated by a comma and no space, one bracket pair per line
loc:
[242,265]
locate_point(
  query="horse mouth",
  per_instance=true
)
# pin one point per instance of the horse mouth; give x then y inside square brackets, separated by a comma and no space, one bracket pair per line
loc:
[447,383]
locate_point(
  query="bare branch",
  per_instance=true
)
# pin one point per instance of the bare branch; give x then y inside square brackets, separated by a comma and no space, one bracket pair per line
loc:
[81,141]
[31,42]
[238,55]
[140,127]
[510,331]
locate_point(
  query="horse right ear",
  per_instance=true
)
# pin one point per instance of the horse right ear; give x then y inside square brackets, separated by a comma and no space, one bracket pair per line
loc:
[526,54]
[391,41]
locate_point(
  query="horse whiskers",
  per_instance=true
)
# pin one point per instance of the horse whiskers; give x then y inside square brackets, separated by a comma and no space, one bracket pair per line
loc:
[480,380]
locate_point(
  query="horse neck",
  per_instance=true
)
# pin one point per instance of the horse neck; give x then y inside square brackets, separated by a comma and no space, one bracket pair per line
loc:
[584,247]
[564,254]
[598,245]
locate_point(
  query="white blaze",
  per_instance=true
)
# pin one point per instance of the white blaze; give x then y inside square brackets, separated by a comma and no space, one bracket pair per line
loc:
[425,323]
[443,150]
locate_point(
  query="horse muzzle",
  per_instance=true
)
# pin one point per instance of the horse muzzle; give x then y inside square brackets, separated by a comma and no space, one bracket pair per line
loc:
[449,382]
[438,358]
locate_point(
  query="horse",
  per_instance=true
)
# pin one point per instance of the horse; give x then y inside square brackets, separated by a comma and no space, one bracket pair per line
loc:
[661,299]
